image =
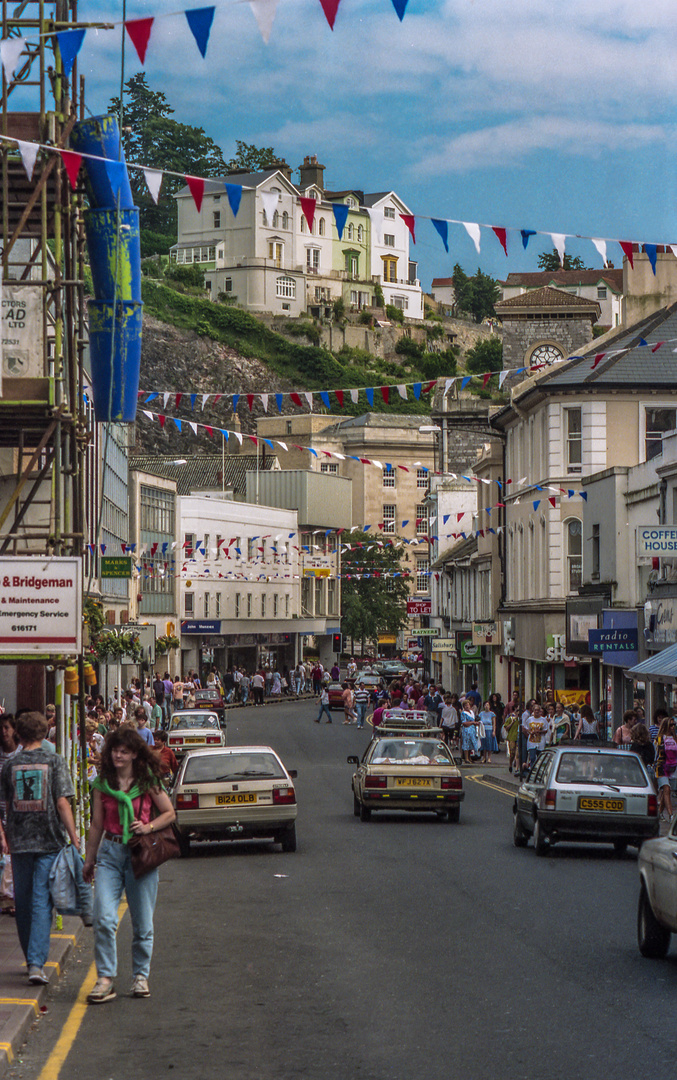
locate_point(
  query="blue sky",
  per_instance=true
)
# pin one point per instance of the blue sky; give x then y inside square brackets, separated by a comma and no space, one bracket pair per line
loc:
[540,115]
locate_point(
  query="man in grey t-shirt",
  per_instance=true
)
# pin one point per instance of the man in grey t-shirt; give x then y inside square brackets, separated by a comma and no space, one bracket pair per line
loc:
[36,787]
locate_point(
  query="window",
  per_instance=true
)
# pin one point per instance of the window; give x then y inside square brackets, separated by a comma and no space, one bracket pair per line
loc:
[275,250]
[389,518]
[319,597]
[276,220]
[263,552]
[156,510]
[657,422]
[304,226]
[313,260]
[422,478]
[353,297]
[189,603]
[352,265]
[574,554]
[351,202]
[289,427]
[349,231]
[389,269]
[422,576]
[286,606]
[601,292]
[321,226]
[206,605]
[217,605]
[329,467]
[263,605]
[286,286]
[389,477]
[275,604]
[401,302]
[389,212]
[217,219]
[574,438]
[421,520]
[229,284]
[189,544]
[206,546]
[249,605]
[237,605]
[360,233]
[219,540]
[251,550]
[388,240]
[332,608]
[595,551]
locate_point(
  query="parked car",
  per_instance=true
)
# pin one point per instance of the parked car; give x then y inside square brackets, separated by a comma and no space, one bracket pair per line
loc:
[235,793]
[657,908]
[403,771]
[212,700]
[190,729]
[592,794]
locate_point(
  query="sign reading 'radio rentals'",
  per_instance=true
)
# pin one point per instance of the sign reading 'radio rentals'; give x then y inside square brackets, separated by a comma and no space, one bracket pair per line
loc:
[40,605]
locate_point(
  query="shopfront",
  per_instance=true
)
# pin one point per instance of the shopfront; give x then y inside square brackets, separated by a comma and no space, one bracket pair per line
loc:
[544,667]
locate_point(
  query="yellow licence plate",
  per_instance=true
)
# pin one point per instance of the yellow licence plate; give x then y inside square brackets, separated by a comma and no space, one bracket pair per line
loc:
[612,806]
[237,798]
[409,782]
[193,740]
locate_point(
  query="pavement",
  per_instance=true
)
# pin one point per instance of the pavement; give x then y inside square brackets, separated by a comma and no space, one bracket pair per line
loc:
[21,1004]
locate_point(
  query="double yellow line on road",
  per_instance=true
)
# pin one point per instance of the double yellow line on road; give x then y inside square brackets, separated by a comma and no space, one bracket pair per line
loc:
[487,783]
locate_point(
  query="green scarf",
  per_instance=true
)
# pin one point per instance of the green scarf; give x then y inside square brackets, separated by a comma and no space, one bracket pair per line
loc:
[125,807]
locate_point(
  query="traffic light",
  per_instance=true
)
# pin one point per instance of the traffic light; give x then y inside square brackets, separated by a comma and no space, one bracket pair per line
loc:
[338,643]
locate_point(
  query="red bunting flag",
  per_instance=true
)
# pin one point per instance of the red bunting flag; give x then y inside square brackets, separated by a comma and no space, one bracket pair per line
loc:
[385,393]
[197,189]
[553,501]
[253,439]
[162,420]
[365,461]
[178,399]
[327,453]
[296,398]
[626,248]
[600,356]
[139,31]
[72,162]
[250,401]
[217,398]
[428,388]
[308,207]
[502,237]
[657,346]
[487,376]
[339,397]
[410,221]
[459,516]
[210,431]
[330,7]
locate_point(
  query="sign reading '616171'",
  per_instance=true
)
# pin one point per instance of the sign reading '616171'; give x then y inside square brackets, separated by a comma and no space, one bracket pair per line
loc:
[40,605]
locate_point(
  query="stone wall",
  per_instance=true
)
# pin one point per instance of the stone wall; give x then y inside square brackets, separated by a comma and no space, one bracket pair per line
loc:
[519,335]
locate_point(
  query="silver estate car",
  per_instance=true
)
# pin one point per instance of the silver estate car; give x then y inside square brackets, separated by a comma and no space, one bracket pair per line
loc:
[657,909]
[591,794]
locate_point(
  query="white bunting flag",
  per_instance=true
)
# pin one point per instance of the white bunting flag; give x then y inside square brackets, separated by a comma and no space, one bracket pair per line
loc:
[10,51]
[354,394]
[238,436]
[559,240]
[473,231]
[205,399]
[193,427]
[309,398]
[503,375]
[376,218]
[153,180]
[165,399]
[29,153]
[341,457]
[264,401]
[148,414]
[282,444]
[270,200]
[601,248]
[264,13]
[402,391]
[378,464]
[673,249]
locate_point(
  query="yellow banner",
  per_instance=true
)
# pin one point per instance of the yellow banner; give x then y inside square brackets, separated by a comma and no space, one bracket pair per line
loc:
[320,571]
[573,697]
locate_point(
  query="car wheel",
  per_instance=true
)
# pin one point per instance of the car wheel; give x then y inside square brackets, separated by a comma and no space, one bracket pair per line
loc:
[454,814]
[620,847]
[652,938]
[288,839]
[519,837]
[540,842]
[365,812]
[184,845]
[356,805]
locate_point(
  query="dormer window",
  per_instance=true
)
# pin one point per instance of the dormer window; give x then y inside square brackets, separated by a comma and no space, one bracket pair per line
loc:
[351,202]
[389,212]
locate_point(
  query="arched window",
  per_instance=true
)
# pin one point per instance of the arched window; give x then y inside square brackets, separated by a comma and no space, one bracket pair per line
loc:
[304,227]
[276,220]
[285,220]
[321,226]
[350,231]
[286,287]
[573,546]
[360,233]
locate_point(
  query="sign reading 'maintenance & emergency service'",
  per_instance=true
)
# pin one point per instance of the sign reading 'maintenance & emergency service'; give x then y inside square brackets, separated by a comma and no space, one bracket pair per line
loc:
[40,605]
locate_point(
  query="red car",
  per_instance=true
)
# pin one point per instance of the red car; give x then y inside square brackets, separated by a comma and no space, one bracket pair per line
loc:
[212,700]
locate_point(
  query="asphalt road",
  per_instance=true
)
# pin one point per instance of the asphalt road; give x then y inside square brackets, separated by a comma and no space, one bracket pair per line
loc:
[394,949]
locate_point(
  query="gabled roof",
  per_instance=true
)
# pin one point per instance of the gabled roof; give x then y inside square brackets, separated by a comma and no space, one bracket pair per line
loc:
[536,279]
[216,185]
[333,196]
[547,298]
[203,472]
[442,282]
[371,199]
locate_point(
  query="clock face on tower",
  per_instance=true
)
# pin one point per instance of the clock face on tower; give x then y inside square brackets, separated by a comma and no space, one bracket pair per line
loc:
[545,354]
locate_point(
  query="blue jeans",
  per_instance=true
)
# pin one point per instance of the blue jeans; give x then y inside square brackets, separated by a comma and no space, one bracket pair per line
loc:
[33,904]
[324,708]
[113,876]
[361,713]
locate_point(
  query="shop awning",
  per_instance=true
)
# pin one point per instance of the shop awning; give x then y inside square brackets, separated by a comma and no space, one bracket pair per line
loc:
[662,666]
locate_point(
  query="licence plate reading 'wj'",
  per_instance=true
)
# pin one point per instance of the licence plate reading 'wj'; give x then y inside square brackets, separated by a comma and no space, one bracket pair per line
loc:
[236,797]
[613,806]
[411,782]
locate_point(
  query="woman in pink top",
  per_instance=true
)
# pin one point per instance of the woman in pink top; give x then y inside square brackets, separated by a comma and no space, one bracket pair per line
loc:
[129,800]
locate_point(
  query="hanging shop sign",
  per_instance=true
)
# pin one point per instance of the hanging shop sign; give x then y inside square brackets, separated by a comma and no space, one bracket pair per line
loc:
[660,618]
[419,607]
[115,566]
[40,605]
[486,633]
[616,641]
[443,645]
[656,540]
[470,652]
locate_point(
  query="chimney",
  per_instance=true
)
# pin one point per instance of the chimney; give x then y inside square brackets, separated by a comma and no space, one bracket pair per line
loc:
[311,173]
[284,168]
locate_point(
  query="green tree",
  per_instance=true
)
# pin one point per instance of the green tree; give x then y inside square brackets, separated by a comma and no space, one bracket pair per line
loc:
[461,288]
[250,158]
[376,603]
[151,137]
[475,295]
[485,355]
[549,260]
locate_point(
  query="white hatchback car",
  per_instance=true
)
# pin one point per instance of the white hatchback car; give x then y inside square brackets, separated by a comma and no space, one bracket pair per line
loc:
[235,793]
[657,910]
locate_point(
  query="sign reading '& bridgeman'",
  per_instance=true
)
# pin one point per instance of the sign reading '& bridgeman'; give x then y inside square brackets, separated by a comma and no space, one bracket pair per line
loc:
[656,540]
[40,605]
[617,640]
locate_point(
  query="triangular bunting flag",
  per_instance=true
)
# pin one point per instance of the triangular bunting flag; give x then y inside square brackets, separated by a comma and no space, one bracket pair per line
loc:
[70,42]
[657,346]
[651,251]
[600,356]
[324,394]
[200,23]
[234,193]
[278,402]
[309,398]
[410,221]
[402,391]
[400,7]
[536,503]
[153,178]
[601,248]
[340,216]
[72,162]
[354,395]
[559,240]
[330,7]
[264,402]
[296,399]
[553,501]
[385,393]
[626,248]
[139,32]
[339,397]
[501,236]
[10,51]
[465,381]
[116,171]
[526,234]
[442,228]
[197,190]
[250,400]
[369,394]
[264,13]
[485,380]
[270,200]
[473,231]
[502,377]
[308,207]
[236,398]
[416,389]
[29,153]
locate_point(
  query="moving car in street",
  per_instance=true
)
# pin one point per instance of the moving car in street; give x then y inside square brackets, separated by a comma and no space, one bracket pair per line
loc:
[399,721]
[335,691]
[586,794]
[191,729]
[657,909]
[407,771]
[211,699]
[235,794]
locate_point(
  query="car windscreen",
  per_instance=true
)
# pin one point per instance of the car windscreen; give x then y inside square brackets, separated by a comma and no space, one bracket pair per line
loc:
[207,695]
[410,752]
[618,770]
[193,720]
[225,767]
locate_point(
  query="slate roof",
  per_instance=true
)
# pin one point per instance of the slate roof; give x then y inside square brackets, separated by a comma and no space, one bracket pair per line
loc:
[381,420]
[203,472]
[442,282]
[215,185]
[547,297]
[536,279]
